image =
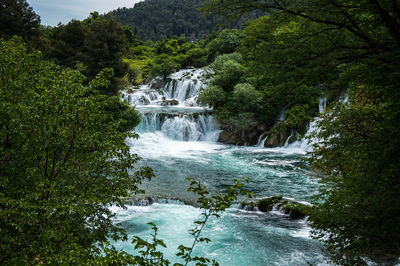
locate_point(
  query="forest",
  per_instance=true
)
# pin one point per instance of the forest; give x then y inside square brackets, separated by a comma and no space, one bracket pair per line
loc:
[159,19]
[63,124]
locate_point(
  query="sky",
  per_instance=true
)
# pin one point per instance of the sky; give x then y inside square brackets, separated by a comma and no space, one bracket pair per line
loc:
[52,12]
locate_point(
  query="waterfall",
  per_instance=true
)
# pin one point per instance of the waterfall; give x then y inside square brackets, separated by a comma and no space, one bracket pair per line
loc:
[322,104]
[183,127]
[261,139]
[304,144]
[282,114]
[173,109]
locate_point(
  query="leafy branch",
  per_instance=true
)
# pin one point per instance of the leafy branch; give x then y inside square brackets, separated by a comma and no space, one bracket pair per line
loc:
[210,206]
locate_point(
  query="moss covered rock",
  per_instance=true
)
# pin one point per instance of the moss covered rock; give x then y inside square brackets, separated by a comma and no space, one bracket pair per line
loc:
[266,204]
[294,209]
[277,135]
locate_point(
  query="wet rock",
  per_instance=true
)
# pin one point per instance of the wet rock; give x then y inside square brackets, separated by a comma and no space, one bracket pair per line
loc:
[168,102]
[266,205]
[130,90]
[157,84]
[277,136]
[142,100]
[229,138]
[294,209]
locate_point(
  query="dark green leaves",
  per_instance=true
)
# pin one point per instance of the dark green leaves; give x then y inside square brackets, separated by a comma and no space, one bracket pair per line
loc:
[63,160]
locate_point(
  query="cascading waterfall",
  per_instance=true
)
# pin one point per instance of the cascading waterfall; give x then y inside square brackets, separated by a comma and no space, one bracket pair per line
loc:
[305,144]
[178,139]
[173,110]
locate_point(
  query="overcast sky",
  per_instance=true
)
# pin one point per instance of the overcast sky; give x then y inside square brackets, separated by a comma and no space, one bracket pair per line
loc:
[52,12]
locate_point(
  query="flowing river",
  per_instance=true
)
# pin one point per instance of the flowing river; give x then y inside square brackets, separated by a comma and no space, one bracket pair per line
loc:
[178,139]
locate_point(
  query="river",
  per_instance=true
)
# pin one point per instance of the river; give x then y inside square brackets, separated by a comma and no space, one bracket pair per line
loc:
[178,139]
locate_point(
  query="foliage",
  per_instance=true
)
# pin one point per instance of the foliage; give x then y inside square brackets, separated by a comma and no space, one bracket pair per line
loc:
[226,42]
[213,96]
[227,72]
[245,98]
[357,209]
[18,18]
[297,117]
[164,65]
[92,44]
[211,206]
[105,44]
[339,45]
[63,161]
[161,19]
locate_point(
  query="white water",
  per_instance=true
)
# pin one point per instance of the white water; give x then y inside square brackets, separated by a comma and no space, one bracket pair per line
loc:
[306,143]
[180,141]
[182,86]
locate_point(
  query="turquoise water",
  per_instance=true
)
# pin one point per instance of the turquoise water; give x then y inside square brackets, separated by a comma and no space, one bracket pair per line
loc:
[179,144]
[239,237]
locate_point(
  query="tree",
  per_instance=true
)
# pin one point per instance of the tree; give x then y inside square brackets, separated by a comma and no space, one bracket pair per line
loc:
[18,18]
[66,48]
[228,70]
[356,215]
[340,45]
[91,45]
[106,44]
[63,161]
[213,96]
[226,42]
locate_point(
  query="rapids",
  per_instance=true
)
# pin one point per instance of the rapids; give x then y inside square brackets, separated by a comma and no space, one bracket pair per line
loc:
[178,138]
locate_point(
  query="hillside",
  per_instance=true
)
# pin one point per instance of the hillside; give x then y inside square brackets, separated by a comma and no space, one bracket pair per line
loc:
[158,19]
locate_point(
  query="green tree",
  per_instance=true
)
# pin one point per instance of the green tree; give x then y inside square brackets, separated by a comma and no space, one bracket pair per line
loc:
[213,96]
[226,42]
[91,45]
[66,48]
[63,161]
[341,44]
[106,44]
[246,98]
[356,215]
[164,65]
[18,18]
[228,71]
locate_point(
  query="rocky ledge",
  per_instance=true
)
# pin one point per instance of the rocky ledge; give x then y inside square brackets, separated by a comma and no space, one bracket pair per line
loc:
[294,209]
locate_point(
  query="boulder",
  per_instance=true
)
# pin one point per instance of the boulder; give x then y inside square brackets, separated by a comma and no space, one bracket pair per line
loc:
[266,204]
[229,138]
[294,209]
[157,84]
[168,102]
[277,136]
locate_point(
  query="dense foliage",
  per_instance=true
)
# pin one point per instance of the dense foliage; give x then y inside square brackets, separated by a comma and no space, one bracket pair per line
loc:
[90,45]
[18,18]
[162,58]
[248,90]
[160,19]
[63,160]
[64,163]
[340,45]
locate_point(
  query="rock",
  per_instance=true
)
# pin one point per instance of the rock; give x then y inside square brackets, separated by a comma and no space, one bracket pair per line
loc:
[277,136]
[266,205]
[157,84]
[248,206]
[142,100]
[167,102]
[229,138]
[172,102]
[294,209]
